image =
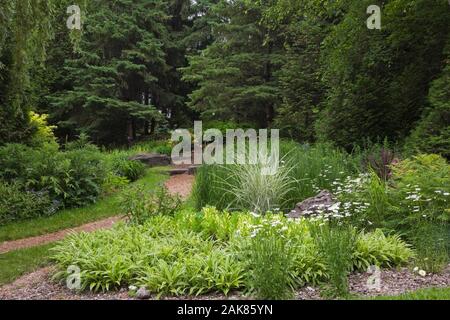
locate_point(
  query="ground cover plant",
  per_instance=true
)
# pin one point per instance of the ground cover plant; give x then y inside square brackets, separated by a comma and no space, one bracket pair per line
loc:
[212,251]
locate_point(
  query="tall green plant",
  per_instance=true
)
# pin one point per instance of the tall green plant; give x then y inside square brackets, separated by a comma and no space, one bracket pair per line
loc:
[336,244]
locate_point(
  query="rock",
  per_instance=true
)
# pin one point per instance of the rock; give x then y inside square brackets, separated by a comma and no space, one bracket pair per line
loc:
[152,159]
[132,288]
[192,170]
[174,172]
[313,205]
[143,293]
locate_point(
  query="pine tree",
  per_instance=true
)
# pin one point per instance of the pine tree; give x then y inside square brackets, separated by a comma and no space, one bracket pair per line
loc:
[236,74]
[115,78]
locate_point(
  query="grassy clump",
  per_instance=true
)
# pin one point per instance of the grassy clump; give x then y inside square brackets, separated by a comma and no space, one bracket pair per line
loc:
[336,246]
[304,171]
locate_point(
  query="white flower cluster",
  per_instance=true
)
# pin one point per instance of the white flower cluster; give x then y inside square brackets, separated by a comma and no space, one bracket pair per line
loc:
[350,184]
[273,222]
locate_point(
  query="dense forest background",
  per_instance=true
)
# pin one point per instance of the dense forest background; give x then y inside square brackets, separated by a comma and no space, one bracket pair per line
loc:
[311,68]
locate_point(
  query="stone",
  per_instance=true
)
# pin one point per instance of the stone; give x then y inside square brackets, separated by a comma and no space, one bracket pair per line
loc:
[175,172]
[313,205]
[143,293]
[192,170]
[152,159]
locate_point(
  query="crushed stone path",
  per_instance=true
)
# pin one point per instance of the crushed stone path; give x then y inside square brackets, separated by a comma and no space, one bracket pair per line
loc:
[181,185]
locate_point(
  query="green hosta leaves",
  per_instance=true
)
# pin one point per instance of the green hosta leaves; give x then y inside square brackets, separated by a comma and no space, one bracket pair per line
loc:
[195,253]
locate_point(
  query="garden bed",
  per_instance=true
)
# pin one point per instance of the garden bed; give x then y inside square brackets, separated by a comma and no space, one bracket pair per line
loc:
[39,286]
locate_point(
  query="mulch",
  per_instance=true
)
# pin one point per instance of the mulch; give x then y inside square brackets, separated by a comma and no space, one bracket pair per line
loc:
[39,285]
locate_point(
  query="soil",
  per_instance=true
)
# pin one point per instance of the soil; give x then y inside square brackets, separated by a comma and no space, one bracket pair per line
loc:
[39,286]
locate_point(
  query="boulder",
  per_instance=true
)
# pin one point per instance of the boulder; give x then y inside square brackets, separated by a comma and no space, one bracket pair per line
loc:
[313,206]
[152,159]
[143,293]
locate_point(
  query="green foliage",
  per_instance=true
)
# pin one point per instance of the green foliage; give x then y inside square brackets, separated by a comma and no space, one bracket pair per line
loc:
[336,246]
[139,205]
[366,96]
[207,187]
[432,244]
[73,177]
[106,206]
[422,294]
[212,251]
[17,204]
[377,249]
[306,170]
[112,81]
[236,77]
[122,167]
[43,132]
[432,134]
[316,168]
[252,189]
[418,191]
[159,255]
[25,28]
[422,190]
[269,264]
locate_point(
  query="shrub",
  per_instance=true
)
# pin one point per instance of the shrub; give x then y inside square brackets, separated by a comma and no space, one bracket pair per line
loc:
[43,133]
[377,249]
[17,204]
[73,177]
[113,183]
[121,166]
[139,205]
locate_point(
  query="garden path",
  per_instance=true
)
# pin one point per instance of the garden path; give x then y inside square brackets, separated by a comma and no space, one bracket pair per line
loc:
[179,184]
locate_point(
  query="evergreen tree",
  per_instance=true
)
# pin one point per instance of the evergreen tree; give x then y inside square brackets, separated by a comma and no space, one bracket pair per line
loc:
[236,74]
[432,134]
[378,80]
[115,79]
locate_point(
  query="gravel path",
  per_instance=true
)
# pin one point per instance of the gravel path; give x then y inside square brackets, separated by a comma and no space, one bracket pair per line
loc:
[56,236]
[181,184]
[39,286]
